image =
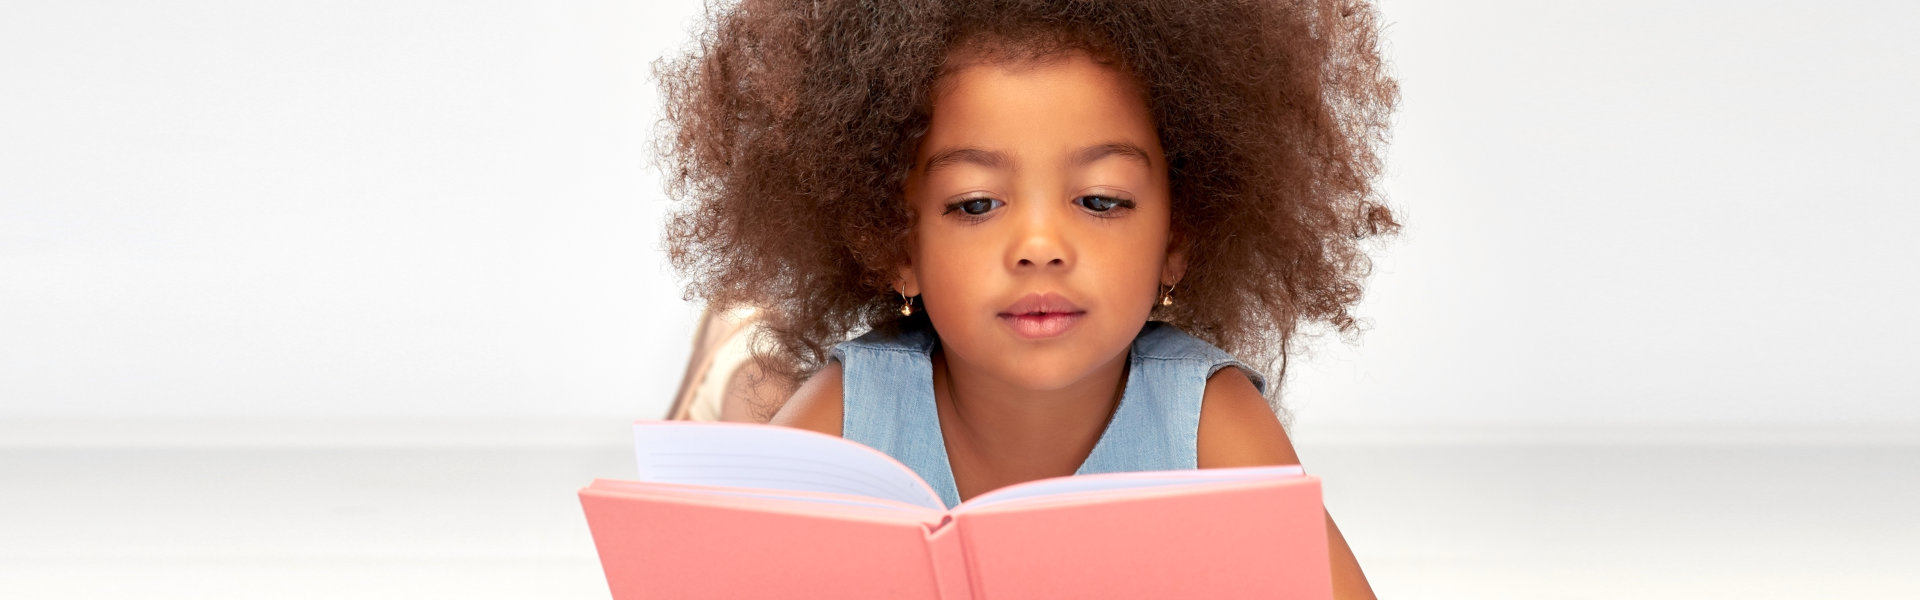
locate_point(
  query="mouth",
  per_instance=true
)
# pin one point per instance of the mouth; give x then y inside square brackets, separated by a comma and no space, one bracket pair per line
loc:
[1039,316]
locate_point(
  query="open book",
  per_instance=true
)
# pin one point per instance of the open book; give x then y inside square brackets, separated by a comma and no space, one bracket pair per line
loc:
[761,511]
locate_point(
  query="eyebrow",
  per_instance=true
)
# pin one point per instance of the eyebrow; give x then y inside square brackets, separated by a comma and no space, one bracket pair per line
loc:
[985,158]
[1093,153]
[998,160]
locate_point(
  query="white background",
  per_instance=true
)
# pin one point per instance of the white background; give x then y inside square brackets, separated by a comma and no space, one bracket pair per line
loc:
[1619,213]
[347,299]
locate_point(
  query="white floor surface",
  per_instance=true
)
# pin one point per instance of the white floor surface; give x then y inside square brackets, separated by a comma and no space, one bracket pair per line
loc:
[1436,521]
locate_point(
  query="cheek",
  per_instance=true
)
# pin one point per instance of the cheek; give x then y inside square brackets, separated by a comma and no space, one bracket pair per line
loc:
[1129,269]
[949,265]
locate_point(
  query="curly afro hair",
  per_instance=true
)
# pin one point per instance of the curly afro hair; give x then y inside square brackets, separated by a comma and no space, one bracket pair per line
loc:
[791,126]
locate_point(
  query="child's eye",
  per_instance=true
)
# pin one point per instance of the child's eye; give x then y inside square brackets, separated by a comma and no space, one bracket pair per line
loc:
[974,206]
[1101,204]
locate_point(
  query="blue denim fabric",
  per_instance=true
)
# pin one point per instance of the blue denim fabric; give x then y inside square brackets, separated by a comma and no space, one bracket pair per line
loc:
[888,402]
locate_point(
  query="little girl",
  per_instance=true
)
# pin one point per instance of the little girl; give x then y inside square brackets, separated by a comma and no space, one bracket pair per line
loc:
[1057,222]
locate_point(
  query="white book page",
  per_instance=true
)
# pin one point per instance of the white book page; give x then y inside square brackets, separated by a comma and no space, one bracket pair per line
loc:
[841,501]
[1121,481]
[770,457]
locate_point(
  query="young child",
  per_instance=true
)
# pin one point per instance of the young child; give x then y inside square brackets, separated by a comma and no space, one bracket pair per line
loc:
[1058,223]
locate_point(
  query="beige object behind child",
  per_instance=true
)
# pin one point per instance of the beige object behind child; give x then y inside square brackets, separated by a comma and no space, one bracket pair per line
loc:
[722,383]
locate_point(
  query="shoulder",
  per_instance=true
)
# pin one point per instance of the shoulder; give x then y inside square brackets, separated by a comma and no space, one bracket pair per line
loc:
[819,403]
[1159,339]
[905,335]
[1237,428]
[816,406]
[1166,342]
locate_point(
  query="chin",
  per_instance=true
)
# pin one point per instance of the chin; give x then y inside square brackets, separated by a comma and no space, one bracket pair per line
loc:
[1039,365]
[1052,368]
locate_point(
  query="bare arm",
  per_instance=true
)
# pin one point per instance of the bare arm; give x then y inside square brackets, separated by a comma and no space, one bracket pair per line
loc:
[1237,429]
[816,405]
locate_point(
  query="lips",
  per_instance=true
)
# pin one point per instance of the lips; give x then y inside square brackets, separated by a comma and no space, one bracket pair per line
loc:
[1038,316]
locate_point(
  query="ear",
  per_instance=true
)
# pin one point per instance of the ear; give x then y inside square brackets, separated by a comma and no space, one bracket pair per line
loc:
[1175,267]
[906,282]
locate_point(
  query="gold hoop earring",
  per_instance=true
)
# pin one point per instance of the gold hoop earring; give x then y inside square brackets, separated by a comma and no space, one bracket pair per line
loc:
[906,306]
[1167,298]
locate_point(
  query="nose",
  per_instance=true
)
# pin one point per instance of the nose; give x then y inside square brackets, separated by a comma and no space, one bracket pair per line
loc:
[1041,240]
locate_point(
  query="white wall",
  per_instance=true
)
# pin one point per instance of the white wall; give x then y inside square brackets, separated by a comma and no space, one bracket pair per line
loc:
[1616,212]
[334,209]
[1645,211]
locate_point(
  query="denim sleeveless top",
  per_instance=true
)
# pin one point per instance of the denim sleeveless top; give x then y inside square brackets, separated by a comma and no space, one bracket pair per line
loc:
[887,391]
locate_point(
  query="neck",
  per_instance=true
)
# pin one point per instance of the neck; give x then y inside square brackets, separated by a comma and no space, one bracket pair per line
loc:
[1023,429]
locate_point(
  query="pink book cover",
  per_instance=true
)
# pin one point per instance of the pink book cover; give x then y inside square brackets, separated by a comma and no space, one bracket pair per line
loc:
[729,510]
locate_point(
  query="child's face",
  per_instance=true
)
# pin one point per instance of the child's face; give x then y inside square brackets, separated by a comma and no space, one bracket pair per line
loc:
[1042,208]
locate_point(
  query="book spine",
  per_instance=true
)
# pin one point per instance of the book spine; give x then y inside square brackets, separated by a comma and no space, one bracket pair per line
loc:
[949,555]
